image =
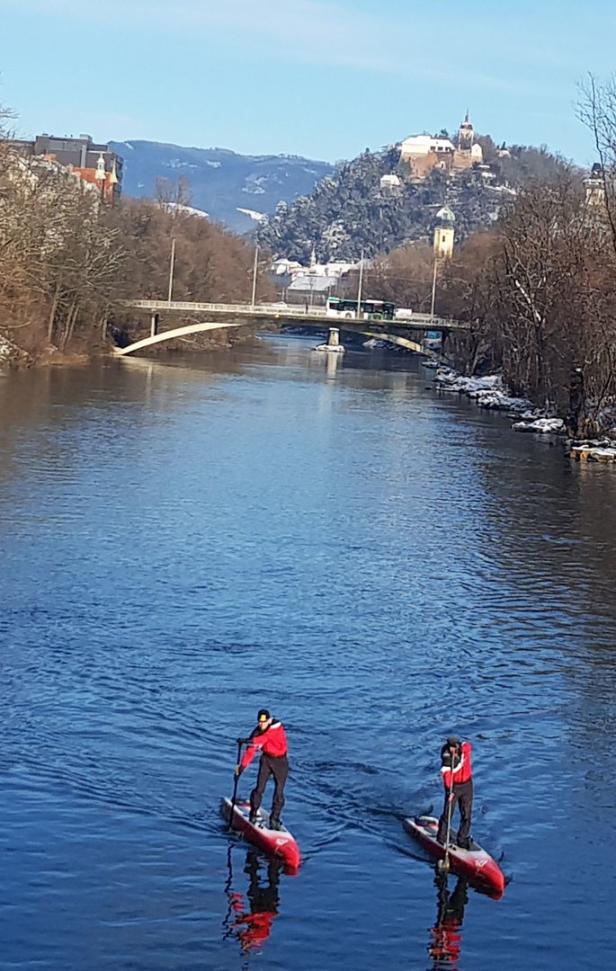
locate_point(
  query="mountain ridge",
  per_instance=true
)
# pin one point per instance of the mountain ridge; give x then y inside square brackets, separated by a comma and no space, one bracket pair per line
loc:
[218,181]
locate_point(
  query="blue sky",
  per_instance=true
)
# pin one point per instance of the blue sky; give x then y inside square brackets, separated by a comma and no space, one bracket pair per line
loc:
[322,78]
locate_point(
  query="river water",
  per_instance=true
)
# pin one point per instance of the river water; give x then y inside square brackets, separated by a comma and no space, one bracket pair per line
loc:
[380,565]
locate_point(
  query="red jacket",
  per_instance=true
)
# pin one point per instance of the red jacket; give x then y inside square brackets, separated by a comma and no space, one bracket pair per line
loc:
[462,768]
[272,741]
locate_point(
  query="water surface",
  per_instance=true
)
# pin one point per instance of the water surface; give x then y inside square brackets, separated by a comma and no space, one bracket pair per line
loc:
[380,565]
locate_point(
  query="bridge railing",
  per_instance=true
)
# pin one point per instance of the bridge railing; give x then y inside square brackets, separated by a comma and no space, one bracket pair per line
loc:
[228,308]
[276,311]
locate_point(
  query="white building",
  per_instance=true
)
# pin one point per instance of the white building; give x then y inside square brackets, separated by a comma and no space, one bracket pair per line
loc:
[391,183]
[417,145]
[286,267]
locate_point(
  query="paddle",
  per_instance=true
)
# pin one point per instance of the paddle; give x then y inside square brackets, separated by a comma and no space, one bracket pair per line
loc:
[443,864]
[236,780]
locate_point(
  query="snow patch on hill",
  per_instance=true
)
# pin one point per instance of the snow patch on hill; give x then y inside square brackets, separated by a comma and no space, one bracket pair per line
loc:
[257,216]
[189,210]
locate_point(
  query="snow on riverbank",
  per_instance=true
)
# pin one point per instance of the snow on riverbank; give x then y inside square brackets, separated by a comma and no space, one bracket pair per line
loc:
[554,426]
[11,355]
[604,451]
[490,392]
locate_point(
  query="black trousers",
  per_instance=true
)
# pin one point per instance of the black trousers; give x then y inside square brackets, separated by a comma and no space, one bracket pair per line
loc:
[279,769]
[463,796]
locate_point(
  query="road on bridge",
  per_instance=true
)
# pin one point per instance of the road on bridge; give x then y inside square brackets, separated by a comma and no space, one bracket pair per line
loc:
[311,315]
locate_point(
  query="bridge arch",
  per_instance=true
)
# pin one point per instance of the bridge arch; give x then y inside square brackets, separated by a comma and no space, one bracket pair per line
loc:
[204,326]
[177,332]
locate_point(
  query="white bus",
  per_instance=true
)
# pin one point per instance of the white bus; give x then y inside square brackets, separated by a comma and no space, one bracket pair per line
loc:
[368,309]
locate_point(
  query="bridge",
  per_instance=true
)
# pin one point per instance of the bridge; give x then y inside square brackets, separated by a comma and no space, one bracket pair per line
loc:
[239,315]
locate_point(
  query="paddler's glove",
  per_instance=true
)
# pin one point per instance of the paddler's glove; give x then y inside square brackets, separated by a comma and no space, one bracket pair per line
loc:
[238,771]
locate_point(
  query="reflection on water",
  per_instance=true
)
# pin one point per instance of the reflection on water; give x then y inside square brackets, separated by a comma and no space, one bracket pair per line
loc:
[446,934]
[253,904]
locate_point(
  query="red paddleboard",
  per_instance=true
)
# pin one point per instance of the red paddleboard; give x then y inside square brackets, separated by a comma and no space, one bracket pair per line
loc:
[277,842]
[474,864]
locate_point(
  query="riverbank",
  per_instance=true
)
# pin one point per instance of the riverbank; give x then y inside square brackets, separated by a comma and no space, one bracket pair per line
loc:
[489,392]
[13,356]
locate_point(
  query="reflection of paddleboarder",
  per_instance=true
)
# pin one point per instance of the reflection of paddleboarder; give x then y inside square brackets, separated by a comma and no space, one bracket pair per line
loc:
[446,939]
[251,921]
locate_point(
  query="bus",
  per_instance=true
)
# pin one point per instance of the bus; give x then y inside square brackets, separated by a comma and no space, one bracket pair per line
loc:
[368,309]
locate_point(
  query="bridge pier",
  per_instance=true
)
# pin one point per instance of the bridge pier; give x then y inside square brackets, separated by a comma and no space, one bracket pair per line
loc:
[154,322]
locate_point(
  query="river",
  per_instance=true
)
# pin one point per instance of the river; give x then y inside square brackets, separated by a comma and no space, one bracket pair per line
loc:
[186,541]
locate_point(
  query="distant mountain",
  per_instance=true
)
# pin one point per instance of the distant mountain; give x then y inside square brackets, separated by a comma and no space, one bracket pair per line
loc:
[237,190]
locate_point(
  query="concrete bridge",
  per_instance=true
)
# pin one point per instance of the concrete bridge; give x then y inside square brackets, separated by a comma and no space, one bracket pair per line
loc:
[226,315]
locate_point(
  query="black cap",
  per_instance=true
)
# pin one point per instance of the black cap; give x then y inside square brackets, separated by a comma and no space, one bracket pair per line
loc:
[453,740]
[263,714]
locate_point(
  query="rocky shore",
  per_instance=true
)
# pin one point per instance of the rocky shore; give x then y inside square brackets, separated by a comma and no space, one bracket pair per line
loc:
[490,392]
[13,356]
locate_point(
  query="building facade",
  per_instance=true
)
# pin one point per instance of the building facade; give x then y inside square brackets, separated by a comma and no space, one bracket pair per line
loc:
[422,154]
[92,163]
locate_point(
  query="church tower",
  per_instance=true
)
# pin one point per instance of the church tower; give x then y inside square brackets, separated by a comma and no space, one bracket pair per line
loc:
[466,135]
[595,186]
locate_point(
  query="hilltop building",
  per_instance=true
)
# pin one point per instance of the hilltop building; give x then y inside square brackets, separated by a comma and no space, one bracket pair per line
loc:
[423,154]
[468,151]
[94,164]
[444,234]
[390,184]
[594,185]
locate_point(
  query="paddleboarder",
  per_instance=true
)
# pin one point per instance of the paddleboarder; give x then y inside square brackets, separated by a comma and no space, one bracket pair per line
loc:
[457,776]
[270,739]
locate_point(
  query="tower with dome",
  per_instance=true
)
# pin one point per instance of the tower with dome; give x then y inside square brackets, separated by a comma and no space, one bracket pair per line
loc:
[444,233]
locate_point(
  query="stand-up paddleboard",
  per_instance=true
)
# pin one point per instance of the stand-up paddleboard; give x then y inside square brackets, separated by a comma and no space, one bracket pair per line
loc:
[278,842]
[474,864]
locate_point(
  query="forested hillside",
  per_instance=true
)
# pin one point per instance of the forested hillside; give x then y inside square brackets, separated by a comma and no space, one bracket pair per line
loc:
[349,213]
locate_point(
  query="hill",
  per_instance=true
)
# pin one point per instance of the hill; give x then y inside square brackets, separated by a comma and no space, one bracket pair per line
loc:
[236,190]
[352,210]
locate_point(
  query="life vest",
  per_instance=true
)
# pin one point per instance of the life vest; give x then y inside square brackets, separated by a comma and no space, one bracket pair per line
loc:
[462,770]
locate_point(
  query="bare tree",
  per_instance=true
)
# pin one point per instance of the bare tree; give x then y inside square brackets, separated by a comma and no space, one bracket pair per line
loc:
[596,109]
